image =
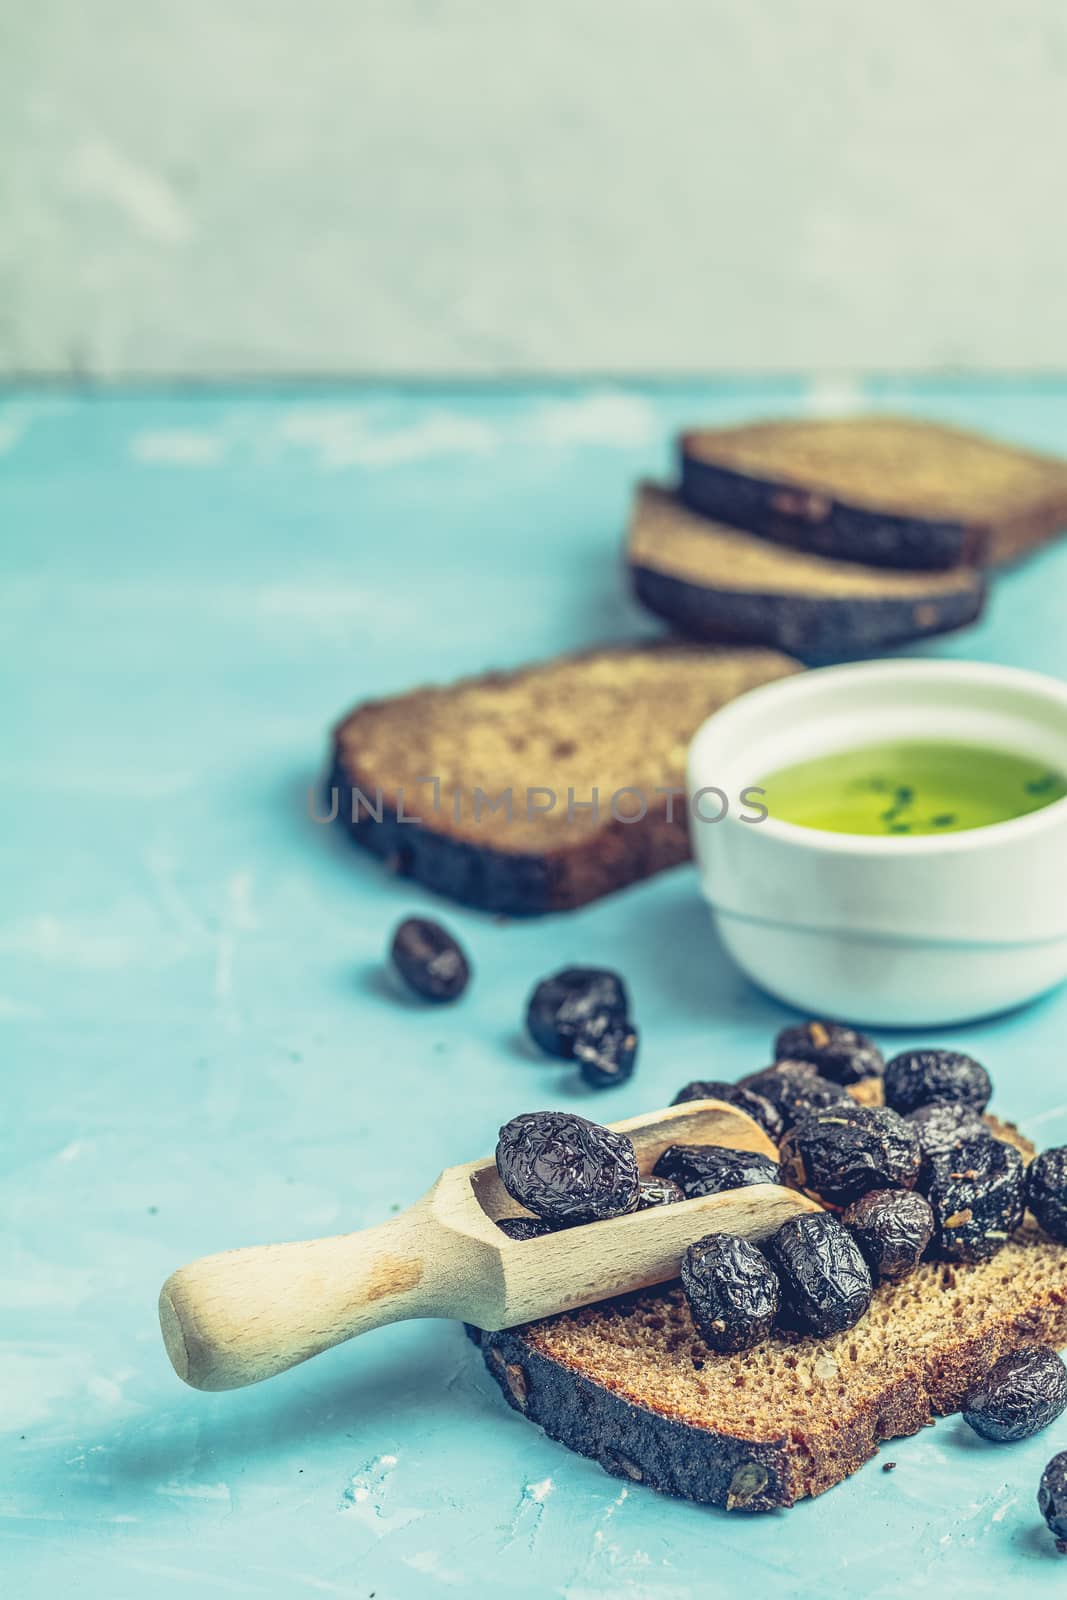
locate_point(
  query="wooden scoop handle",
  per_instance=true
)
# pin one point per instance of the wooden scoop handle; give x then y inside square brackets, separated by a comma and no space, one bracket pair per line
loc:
[234,1318]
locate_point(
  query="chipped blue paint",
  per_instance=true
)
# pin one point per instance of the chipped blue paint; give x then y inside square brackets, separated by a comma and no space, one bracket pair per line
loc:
[197,1050]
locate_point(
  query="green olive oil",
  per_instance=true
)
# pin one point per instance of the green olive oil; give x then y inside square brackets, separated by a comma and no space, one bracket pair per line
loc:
[911,787]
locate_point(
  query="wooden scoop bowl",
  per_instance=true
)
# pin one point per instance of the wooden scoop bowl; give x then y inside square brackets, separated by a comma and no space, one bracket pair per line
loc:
[238,1317]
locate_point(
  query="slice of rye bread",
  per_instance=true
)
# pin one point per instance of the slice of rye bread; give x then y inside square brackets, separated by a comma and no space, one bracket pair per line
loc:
[608,719]
[631,1383]
[721,583]
[889,491]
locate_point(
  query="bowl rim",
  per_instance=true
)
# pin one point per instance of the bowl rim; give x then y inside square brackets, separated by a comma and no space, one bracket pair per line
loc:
[829,841]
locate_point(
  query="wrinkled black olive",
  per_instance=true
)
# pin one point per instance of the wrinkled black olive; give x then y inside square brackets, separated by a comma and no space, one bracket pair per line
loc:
[1020,1394]
[566,1169]
[892,1227]
[708,1169]
[525,1227]
[659,1192]
[825,1284]
[795,1089]
[605,1049]
[943,1124]
[976,1192]
[1046,1192]
[842,1152]
[754,1105]
[916,1077]
[561,1004]
[838,1053]
[732,1292]
[1052,1495]
[429,960]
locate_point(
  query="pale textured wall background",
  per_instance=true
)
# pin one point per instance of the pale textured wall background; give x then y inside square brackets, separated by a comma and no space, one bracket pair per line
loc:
[416,186]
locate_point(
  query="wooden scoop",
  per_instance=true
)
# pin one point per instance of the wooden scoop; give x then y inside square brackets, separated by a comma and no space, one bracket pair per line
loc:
[234,1318]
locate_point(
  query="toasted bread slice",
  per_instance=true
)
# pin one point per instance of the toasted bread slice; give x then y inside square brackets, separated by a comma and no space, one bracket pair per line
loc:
[717,582]
[632,1384]
[887,491]
[610,719]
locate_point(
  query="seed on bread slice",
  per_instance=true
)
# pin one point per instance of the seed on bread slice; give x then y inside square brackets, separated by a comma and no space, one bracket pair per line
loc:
[717,582]
[888,491]
[610,719]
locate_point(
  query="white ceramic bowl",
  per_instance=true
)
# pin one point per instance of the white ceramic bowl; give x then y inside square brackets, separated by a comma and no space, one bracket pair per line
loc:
[890,932]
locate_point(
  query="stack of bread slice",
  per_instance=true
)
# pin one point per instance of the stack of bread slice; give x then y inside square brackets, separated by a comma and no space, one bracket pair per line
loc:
[785,542]
[833,539]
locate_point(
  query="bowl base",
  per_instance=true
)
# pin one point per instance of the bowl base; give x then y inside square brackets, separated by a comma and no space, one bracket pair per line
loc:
[890,982]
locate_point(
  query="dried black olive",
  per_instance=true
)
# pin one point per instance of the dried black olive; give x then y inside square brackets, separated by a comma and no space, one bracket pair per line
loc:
[525,1227]
[840,1153]
[561,1004]
[1020,1394]
[429,960]
[566,1169]
[754,1105]
[916,1077]
[659,1192]
[976,1192]
[943,1124]
[605,1048]
[1046,1192]
[838,1053]
[732,1292]
[709,1169]
[892,1227]
[825,1284]
[1052,1496]
[795,1089]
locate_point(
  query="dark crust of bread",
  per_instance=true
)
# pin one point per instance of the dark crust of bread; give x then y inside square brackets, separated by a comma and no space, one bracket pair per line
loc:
[698,1463]
[507,883]
[628,1441]
[814,628]
[816,522]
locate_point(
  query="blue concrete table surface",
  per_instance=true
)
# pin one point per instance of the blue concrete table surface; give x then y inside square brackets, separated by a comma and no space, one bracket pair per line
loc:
[197,1048]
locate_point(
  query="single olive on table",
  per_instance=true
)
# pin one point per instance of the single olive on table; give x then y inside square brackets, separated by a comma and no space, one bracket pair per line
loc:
[1020,1394]
[429,960]
[582,1014]
[562,1005]
[1052,1497]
